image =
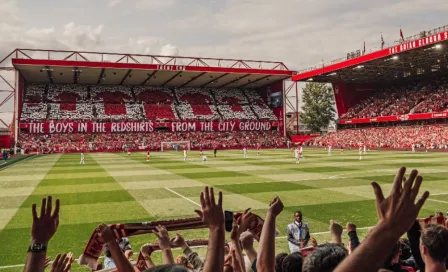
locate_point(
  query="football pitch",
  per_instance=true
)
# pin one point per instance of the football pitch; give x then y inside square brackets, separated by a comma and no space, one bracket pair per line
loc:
[115,188]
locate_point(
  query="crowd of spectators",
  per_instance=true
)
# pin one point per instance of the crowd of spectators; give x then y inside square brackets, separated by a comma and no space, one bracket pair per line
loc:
[77,142]
[118,103]
[399,100]
[398,242]
[403,137]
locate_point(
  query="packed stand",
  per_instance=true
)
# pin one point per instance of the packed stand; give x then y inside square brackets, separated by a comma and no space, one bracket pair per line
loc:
[424,246]
[259,106]
[196,104]
[119,103]
[118,112]
[34,112]
[111,94]
[76,142]
[67,93]
[35,93]
[430,137]
[393,101]
[158,103]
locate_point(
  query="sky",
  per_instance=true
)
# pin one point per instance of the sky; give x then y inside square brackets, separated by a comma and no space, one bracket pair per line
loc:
[300,33]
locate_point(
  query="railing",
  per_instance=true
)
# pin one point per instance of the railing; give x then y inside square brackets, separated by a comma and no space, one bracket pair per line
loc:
[407,39]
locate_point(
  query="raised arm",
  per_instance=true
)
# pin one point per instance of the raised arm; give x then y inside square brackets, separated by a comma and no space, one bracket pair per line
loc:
[120,260]
[353,235]
[213,217]
[165,244]
[43,228]
[266,248]
[396,215]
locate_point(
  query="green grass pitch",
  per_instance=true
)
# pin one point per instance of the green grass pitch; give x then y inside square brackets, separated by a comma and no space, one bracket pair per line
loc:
[114,188]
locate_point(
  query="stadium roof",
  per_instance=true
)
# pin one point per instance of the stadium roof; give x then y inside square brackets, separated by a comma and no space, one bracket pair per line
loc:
[422,55]
[53,66]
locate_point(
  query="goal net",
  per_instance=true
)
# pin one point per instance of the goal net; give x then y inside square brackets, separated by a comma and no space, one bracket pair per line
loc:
[175,146]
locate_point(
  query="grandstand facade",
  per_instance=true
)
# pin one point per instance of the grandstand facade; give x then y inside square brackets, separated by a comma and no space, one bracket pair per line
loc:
[75,93]
[408,81]
[396,97]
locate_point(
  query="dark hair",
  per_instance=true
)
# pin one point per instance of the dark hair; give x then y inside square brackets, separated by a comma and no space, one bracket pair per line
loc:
[279,260]
[168,268]
[299,212]
[405,249]
[292,263]
[324,258]
[435,239]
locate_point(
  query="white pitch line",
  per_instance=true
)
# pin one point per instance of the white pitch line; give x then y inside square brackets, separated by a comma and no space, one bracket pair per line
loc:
[437,200]
[176,193]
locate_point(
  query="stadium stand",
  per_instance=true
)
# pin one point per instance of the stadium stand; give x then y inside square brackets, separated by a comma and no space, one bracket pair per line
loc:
[34,112]
[117,142]
[118,103]
[420,98]
[402,137]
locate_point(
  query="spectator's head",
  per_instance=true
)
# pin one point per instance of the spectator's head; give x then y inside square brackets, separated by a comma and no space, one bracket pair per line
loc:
[324,258]
[298,216]
[182,260]
[434,244]
[438,214]
[279,260]
[292,263]
[405,248]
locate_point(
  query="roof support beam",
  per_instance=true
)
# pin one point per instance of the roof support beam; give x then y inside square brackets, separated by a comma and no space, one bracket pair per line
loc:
[233,81]
[173,77]
[193,79]
[148,78]
[49,74]
[250,82]
[215,79]
[126,76]
[101,76]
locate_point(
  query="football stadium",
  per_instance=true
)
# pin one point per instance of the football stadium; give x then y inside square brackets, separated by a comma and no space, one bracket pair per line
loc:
[136,142]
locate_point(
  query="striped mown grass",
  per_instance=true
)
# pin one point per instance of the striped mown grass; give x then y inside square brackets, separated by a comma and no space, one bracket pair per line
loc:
[115,188]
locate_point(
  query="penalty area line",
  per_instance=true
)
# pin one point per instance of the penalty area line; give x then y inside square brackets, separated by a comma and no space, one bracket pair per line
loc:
[186,198]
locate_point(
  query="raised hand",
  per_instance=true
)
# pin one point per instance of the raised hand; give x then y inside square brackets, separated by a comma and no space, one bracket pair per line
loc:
[335,228]
[350,227]
[235,234]
[399,210]
[105,233]
[162,235]
[146,250]
[62,263]
[46,225]
[212,214]
[47,262]
[179,241]
[275,207]
[247,221]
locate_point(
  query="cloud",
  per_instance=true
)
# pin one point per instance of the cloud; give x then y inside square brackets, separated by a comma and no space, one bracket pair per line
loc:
[81,36]
[113,3]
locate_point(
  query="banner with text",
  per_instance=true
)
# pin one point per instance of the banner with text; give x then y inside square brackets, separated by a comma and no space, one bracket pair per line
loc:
[406,117]
[147,126]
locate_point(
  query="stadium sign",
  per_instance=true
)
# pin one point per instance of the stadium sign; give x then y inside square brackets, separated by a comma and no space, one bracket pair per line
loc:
[431,39]
[147,127]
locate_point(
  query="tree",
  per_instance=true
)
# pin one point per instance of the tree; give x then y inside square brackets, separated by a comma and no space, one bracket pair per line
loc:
[318,106]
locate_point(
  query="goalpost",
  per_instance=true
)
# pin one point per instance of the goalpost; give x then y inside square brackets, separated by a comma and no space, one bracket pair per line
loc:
[175,146]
